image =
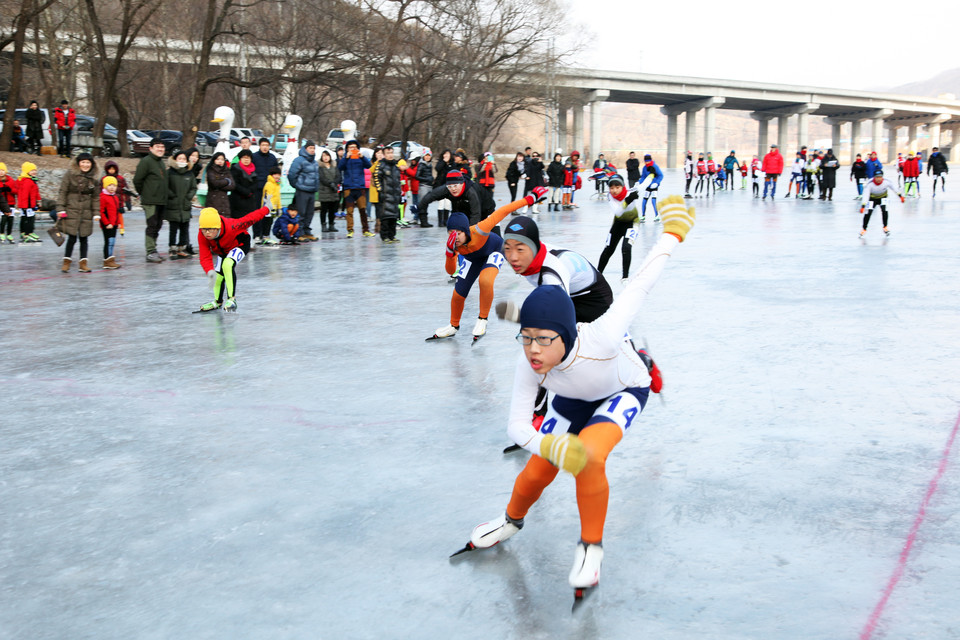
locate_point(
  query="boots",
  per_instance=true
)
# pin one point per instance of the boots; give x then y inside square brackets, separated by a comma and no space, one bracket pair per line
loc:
[110,263]
[423,220]
[173,253]
[66,265]
[83,268]
[182,251]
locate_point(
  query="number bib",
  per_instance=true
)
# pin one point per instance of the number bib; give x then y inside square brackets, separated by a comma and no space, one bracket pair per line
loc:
[566,415]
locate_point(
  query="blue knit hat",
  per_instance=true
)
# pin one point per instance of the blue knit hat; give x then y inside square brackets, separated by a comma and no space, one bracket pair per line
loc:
[550,307]
[459,222]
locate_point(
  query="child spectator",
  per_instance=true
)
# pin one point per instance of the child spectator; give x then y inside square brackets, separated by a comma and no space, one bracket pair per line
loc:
[109,219]
[17,140]
[569,179]
[555,178]
[181,185]
[219,184]
[271,200]
[387,181]
[287,226]
[328,193]
[228,240]
[111,169]
[79,201]
[8,201]
[28,197]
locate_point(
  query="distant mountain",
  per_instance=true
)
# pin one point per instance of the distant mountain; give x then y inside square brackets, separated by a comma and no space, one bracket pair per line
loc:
[946,82]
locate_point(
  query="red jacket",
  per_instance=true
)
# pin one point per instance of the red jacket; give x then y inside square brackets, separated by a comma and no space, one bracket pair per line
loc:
[109,209]
[911,168]
[711,166]
[233,233]
[411,173]
[701,167]
[65,119]
[28,193]
[485,175]
[773,163]
[8,189]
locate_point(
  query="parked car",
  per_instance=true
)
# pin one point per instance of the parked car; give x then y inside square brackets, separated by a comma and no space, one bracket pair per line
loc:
[134,136]
[206,142]
[241,132]
[412,148]
[83,137]
[49,134]
[335,139]
[173,140]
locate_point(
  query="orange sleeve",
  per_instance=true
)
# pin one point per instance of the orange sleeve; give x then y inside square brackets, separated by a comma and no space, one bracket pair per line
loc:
[487,224]
[451,264]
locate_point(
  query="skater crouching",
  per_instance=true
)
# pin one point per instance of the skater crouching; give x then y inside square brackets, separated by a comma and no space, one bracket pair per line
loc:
[80,198]
[600,386]
[227,240]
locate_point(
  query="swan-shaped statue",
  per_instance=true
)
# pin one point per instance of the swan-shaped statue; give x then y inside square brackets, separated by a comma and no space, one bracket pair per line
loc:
[224,116]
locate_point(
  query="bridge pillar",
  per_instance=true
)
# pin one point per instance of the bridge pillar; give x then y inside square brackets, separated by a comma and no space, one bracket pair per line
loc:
[782,123]
[856,143]
[763,120]
[709,127]
[835,139]
[691,125]
[954,145]
[577,131]
[596,101]
[876,135]
[561,132]
[671,161]
[891,142]
[803,130]
[911,137]
[934,130]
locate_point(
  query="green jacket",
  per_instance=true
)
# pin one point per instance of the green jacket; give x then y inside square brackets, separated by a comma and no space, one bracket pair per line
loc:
[181,186]
[150,180]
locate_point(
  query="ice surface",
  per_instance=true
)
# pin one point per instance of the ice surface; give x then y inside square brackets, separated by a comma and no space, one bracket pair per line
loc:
[303,470]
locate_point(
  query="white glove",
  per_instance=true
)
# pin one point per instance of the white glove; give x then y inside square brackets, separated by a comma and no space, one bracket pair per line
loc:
[96,218]
[212,278]
[509,311]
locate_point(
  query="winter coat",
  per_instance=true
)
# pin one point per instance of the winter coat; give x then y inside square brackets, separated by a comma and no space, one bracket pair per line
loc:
[270,196]
[555,174]
[829,168]
[287,227]
[181,187]
[858,170]
[109,209]
[8,191]
[633,169]
[425,175]
[911,168]
[411,175]
[233,233]
[28,193]
[351,172]
[442,170]
[219,184]
[872,167]
[150,180]
[387,181]
[80,198]
[514,171]
[304,172]
[245,197]
[730,162]
[264,162]
[34,123]
[773,163]
[373,196]
[487,174]
[329,184]
[122,191]
[534,174]
[65,120]
[937,164]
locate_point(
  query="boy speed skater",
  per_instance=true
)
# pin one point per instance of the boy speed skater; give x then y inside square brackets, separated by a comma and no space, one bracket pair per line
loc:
[229,241]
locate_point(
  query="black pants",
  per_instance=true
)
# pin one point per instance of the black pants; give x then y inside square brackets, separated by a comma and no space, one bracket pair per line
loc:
[109,237]
[183,230]
[328,212]
[617,232]
[699,186]
[6,225]
[687,188]
[388,228]
[72,240]
[63,141]
[513,191]
[873,205]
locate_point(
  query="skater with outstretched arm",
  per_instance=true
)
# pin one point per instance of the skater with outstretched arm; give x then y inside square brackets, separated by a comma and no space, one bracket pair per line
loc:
[600,386]
[229,241]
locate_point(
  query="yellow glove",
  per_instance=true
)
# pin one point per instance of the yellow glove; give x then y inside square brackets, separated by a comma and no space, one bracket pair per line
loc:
[566,452]
[677,218]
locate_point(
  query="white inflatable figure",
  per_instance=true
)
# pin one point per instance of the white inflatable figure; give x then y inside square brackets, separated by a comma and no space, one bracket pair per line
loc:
[349,129]
[224,116]
[291,128]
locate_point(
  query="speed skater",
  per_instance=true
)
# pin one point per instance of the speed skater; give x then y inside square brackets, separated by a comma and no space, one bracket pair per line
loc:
[875,195]
[600,387]
[228,240]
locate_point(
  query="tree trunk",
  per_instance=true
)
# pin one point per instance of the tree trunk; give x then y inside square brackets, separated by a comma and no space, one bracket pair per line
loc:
[13,97]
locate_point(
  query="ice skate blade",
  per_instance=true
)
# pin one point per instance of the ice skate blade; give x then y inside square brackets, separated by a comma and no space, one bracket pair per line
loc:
[468,547]
[206,310]
[512,448]
[476,339]
[436,337]
[579,595]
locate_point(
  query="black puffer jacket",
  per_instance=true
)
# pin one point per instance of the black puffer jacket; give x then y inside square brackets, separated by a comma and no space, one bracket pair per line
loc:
[387,182]
[244,198]
[555,174]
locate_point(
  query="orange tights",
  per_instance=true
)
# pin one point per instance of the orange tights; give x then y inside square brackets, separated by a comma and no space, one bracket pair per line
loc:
[487,276]
[593,492]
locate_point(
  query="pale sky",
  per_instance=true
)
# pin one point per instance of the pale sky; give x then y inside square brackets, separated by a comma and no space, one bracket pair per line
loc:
[842,44]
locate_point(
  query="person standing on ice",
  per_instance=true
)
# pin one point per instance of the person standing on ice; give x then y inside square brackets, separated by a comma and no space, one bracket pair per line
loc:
[229,241]
[600,387]
[875,195]
[938,164]
[650,180]
[701,172]
[480,249]
[623,203]
[772,167]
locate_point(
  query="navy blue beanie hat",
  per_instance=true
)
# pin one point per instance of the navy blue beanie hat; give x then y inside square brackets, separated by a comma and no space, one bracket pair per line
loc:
[459,222]
[550,307]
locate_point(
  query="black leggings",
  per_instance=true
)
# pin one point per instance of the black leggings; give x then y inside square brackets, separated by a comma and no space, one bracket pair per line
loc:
[328,212]
[6,224]
[883,212]
[181,228]
[617,232]
[72,240]
[513,191]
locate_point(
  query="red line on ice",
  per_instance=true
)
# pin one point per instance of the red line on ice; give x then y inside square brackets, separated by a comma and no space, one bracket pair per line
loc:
[871,625]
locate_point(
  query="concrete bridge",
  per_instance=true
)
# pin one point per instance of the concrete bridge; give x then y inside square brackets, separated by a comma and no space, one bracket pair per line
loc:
[881,113]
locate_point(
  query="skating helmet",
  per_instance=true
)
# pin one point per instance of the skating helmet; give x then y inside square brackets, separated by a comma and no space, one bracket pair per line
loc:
[615,179]
[878,172]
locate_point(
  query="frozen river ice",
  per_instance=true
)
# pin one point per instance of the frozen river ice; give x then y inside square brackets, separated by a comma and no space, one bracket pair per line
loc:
[304,469]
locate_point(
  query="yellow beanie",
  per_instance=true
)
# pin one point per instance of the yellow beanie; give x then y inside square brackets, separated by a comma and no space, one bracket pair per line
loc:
[3,167]
[26,168]
[109,180]
[210,219]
